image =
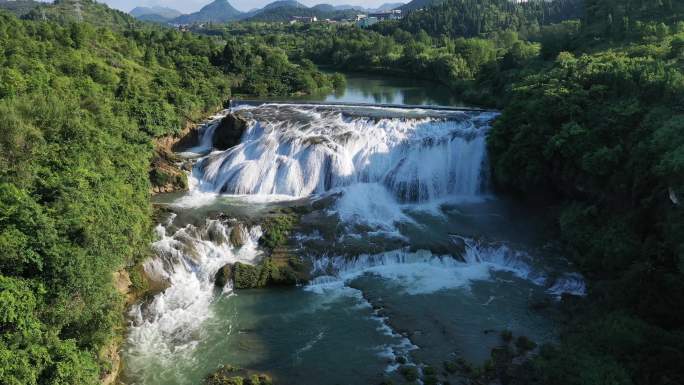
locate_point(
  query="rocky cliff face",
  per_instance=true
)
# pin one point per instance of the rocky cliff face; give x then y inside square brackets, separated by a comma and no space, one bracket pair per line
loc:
[168,171]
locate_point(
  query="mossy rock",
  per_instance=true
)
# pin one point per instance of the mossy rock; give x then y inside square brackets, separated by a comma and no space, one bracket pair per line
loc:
[268,273]
[230,375]
[410,373]
[524,344]
[245,276]
[277,229]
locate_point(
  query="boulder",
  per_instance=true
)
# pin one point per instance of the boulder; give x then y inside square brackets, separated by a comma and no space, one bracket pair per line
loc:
[224,275]
[230,375]
[236,235]
[229,132]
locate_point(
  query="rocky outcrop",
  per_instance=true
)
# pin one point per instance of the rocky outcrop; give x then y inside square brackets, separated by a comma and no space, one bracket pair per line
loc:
[230,375]
[224,275]
[122,283]
[289,271]
[229,132]
[236,235]
[166,172]
[188,137]
[111,355]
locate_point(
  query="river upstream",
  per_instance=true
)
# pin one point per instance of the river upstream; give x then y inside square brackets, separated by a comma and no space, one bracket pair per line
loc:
[411,254]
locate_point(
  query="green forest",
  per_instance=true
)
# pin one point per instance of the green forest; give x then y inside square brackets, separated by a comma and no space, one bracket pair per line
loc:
[592,125]
[80,105]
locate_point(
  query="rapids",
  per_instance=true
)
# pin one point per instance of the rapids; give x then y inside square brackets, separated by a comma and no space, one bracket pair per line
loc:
[412,256]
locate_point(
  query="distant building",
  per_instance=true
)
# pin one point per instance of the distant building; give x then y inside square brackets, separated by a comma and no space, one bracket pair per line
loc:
[394,14]
[303,19]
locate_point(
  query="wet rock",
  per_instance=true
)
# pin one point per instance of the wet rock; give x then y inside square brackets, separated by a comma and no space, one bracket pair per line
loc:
[230,375]
[540,303]
[216,234]
[224,275]
[237,235]
[165,174]
[144,284]
[229,132]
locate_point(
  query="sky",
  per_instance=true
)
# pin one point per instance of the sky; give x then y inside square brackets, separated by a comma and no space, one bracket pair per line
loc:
[187,6]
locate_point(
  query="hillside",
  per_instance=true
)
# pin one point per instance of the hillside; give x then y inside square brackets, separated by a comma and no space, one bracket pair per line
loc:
[80,105]
[19,7]
[469,19]
[419,4]
[89,11]
[219,11]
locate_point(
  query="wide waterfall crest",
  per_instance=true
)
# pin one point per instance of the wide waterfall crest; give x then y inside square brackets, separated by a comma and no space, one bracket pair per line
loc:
[301,151]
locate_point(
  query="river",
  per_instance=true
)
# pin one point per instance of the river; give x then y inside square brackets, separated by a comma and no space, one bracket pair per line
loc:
[412,255]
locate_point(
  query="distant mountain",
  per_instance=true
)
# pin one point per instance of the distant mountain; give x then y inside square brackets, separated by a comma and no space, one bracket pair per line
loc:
[347,7]
[285,10]
[357,8]
[219,11]
[324,8]
[284,4]
[389,7]
[157,14]
[19,8]
[419,4]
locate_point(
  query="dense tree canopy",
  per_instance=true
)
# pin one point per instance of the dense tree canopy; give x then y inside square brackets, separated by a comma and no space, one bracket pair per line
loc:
[80,103]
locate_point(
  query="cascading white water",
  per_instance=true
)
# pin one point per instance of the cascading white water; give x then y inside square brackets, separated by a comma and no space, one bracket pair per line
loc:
[422,272]
[314,151]
[187,262]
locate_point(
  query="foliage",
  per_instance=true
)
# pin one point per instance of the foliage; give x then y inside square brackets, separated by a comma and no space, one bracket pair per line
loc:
[80,103]
[276,230]
[269,273]
[263,70]
[599,131]
[468,18]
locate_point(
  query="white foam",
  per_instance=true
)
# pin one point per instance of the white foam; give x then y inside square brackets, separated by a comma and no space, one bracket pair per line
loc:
[299,151]
[370,204]
[418,272]
[188,260]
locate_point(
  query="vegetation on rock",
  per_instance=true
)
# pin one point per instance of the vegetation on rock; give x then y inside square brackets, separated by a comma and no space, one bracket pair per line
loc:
[229,375]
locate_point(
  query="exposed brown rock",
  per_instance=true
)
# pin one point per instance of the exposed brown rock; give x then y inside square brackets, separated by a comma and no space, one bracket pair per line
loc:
[224,275]
[236,237]
[229,132]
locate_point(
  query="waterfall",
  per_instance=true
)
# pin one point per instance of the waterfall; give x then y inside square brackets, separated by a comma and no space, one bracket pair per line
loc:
[305,150]
[187,262]
[422,272]
[367,171]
